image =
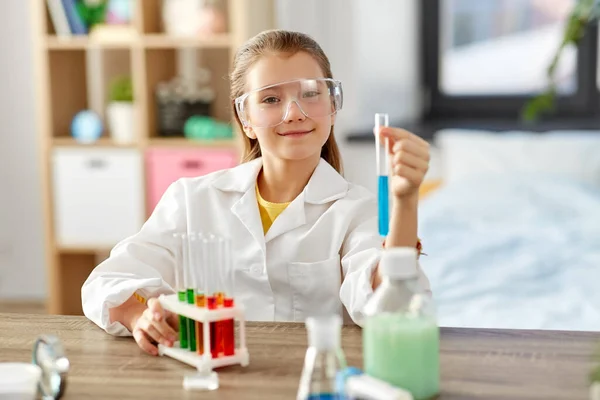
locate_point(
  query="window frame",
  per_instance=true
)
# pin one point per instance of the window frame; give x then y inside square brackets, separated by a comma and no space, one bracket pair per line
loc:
[583,103]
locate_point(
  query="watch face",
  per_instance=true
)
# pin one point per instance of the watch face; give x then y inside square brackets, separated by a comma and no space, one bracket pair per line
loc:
[49,356]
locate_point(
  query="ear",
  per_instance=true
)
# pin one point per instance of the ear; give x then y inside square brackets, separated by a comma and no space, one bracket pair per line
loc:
[249,132]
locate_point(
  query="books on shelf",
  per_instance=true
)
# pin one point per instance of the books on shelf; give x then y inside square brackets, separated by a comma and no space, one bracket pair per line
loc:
[59,19]
[76,22]
[66,18]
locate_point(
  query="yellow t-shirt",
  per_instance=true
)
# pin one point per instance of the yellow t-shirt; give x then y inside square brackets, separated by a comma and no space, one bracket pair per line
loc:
[268,211]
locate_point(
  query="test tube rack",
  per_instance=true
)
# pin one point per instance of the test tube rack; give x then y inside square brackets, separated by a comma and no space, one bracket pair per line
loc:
[205,362]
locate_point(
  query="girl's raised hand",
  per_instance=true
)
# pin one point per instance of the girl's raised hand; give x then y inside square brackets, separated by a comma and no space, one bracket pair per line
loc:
[409,155]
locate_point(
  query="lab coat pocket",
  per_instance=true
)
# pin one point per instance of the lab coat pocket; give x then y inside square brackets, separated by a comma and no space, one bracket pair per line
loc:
[315,288]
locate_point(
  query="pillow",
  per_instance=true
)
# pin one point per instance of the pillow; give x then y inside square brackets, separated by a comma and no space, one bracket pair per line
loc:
[568,154]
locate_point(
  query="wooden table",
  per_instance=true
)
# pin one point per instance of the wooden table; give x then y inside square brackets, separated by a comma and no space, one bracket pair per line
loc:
[475,364]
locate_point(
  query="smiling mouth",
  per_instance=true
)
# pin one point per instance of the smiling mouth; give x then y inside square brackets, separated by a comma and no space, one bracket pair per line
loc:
[295,134]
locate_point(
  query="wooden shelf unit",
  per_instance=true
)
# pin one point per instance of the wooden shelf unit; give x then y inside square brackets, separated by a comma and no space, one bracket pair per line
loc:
[73,73]
[148,41]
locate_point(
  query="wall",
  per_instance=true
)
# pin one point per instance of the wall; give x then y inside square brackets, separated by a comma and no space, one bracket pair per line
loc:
[373,49]
[22,273]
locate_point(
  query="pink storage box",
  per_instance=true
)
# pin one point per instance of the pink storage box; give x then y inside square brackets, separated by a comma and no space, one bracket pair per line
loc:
[165,166]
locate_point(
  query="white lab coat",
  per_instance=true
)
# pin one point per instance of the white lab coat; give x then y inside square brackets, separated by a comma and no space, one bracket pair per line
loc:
[317,257]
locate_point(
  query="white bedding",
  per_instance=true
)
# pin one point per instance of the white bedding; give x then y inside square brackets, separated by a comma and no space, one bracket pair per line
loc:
[568,154]
[514,251]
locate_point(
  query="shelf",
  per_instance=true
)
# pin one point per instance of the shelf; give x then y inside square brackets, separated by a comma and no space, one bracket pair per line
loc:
[161,41]
[68,88]
[75,72]
[182,142]
[84,43]
[150,41]
[82,249]
[102,142]
[67,43]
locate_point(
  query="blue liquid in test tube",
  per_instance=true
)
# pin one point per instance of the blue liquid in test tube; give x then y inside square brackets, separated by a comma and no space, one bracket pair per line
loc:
[383,164]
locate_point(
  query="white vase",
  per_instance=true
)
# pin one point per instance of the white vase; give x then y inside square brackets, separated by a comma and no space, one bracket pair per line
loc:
[121,117]
[182,17]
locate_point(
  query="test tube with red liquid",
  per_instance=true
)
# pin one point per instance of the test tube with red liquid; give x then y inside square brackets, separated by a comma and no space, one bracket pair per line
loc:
[228,326]
[211,270]
[219,292]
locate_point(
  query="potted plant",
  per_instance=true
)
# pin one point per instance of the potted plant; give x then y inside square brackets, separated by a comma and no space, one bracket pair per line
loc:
[92,12]
[595,381]
[121,111]
[584,12]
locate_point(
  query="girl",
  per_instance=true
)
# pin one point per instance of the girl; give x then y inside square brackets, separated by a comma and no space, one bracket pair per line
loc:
[305,240]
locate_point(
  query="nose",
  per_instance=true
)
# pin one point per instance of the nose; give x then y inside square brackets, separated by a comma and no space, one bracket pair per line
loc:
[294,112]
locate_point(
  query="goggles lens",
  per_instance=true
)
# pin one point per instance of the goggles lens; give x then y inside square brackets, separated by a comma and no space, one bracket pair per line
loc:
[269,106]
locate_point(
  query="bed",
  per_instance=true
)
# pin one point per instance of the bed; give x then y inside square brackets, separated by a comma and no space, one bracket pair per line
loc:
[512,233]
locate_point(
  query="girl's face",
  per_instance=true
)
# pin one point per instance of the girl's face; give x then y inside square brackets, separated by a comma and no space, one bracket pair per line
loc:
[298,137]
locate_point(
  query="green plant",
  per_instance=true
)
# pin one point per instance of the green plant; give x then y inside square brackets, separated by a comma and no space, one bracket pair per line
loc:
[595,373]
[93,12]
[121,90]
[584,12]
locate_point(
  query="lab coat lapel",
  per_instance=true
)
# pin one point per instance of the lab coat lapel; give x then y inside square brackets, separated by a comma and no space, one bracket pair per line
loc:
[242,179]
[246,209]
[325,185]
[291,218]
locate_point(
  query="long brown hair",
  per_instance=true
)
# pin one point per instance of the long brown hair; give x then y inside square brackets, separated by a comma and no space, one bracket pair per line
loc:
[278,41]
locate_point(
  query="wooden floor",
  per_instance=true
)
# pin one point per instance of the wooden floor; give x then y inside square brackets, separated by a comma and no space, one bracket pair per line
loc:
[22,307]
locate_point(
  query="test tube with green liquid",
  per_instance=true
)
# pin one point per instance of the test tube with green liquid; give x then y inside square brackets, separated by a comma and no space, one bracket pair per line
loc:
[188,277]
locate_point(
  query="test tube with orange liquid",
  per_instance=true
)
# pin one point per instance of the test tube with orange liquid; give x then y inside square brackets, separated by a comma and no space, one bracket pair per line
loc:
[218,290]
[199,278]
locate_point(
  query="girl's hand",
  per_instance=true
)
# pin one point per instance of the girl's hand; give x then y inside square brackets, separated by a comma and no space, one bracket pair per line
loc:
[409,155]
[155,325]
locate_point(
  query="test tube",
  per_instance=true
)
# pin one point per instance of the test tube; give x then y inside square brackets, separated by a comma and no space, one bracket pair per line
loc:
[220,290]
[228,326]
[189,281]
[383,165]
[200,301]
[210,265]
[180,288]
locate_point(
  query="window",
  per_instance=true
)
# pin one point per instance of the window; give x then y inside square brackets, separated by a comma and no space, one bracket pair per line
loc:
[487,58]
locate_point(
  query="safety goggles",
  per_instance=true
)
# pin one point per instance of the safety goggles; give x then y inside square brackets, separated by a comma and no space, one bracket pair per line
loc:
[270,105]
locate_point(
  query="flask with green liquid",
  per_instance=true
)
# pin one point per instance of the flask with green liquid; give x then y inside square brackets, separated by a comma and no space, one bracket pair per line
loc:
[401,335]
